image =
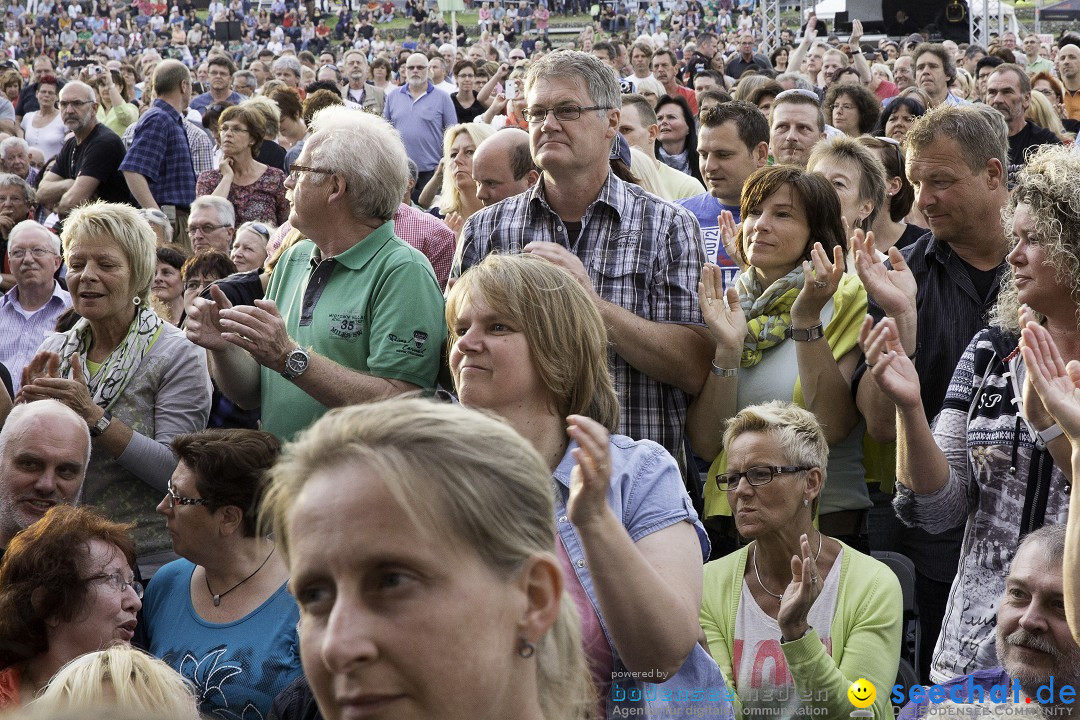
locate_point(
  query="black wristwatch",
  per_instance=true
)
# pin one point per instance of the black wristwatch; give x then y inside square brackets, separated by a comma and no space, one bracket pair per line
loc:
[296,363]
[101,425]
[814,332]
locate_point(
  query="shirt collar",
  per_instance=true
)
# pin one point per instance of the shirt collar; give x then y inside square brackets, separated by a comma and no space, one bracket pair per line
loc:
[356,257]
[613,193]
[12,295]
[162,105]
[405,89]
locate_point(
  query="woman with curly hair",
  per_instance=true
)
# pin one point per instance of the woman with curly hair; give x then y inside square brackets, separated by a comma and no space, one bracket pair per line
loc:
[995,457]
[852,109]
[66,588]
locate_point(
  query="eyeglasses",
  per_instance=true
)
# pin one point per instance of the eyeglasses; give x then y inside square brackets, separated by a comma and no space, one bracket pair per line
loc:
[562,113]
[233,129]
[74,103]
[799,92]
[756,476]
[118,583]
[256,227]
[297,168]
[416,67]
[205,229]
[197,284]
[896,147]
[175,499]
[12,199]
[37,253]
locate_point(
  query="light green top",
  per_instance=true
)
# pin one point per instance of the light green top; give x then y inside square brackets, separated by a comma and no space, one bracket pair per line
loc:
[865,632]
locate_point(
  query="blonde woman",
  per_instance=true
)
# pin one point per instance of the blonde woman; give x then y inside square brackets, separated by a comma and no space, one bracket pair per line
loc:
[118,678]
[1042,113]
[457,198]
[428,584]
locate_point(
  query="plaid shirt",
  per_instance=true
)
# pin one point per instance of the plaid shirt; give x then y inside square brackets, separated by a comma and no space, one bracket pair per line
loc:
[160,152]
[429,235]
[642,253]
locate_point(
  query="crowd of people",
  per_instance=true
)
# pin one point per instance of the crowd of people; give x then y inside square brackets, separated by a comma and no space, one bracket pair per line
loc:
[466,376]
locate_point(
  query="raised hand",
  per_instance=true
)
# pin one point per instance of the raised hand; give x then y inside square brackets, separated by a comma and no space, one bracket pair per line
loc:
[889,365]
[74,392]
[892,288]
[203,325]
[1055,383]
[856,33]
[800,594]
[728,235]
[722,310]
[591,476]
[821,279]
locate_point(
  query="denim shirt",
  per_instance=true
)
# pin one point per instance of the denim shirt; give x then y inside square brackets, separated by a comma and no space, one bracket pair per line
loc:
[648,495]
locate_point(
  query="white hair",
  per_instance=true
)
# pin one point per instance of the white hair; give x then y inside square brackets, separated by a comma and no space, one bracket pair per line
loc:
[226,212]
[29,225]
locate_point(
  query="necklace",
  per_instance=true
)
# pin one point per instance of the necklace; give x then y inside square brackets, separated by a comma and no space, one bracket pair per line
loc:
[757,573]
[217,596]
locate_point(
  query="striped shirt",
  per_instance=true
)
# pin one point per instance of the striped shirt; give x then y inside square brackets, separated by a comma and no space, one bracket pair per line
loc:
[23,331]
[642,254]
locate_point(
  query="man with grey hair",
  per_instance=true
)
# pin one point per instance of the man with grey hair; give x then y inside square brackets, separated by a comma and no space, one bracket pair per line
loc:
[358,92]
[287,69]
[16,201]
[352,315]
[1033,643]
[421,113]
[638,257]
[1008,90]
[15,157]
[29,310]
[44,452]
[244,83]
[88,165]
[212,225]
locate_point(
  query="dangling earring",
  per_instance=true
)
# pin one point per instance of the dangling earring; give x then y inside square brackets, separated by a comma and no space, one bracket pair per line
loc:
[805,503]
[525,648]
[136,301]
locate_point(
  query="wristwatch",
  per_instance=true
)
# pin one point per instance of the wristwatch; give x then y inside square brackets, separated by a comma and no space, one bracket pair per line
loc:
[296,363]
[814,332]
[101,425]
[1049,435]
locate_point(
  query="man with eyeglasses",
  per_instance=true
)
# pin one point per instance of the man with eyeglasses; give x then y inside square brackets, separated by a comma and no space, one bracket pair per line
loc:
[637,256]
[212,224]
[351,315]
[220,69]
[421,113]
[88,166]
[15,206]
[29,310]
[44,452]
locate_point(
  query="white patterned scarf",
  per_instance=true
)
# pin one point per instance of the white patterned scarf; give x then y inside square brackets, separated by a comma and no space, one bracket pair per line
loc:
[116,371]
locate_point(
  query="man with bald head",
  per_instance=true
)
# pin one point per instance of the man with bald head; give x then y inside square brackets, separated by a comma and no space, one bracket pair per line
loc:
[44,451]
[421,113]
[1068,67]
[503,166]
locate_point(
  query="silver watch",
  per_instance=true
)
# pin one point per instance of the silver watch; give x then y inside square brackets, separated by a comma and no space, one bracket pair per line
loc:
[296,363]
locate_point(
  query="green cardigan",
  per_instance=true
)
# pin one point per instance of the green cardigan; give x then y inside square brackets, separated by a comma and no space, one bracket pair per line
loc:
[866,632]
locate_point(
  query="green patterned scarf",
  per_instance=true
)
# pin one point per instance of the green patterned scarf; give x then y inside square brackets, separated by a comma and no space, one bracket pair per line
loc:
[768,312]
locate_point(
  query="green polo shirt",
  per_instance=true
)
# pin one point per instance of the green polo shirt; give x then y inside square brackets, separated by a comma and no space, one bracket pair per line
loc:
[375,308]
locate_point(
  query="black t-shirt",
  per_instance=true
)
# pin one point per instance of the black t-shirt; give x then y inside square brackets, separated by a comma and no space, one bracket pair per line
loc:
[467,114]
[98,156]
[1028,137]
[911,234]
[272,154]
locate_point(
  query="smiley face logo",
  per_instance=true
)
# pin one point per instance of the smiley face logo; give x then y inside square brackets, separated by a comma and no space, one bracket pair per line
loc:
[862,693]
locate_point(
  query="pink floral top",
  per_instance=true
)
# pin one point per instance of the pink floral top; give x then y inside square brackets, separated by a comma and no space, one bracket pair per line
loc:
[263,200]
